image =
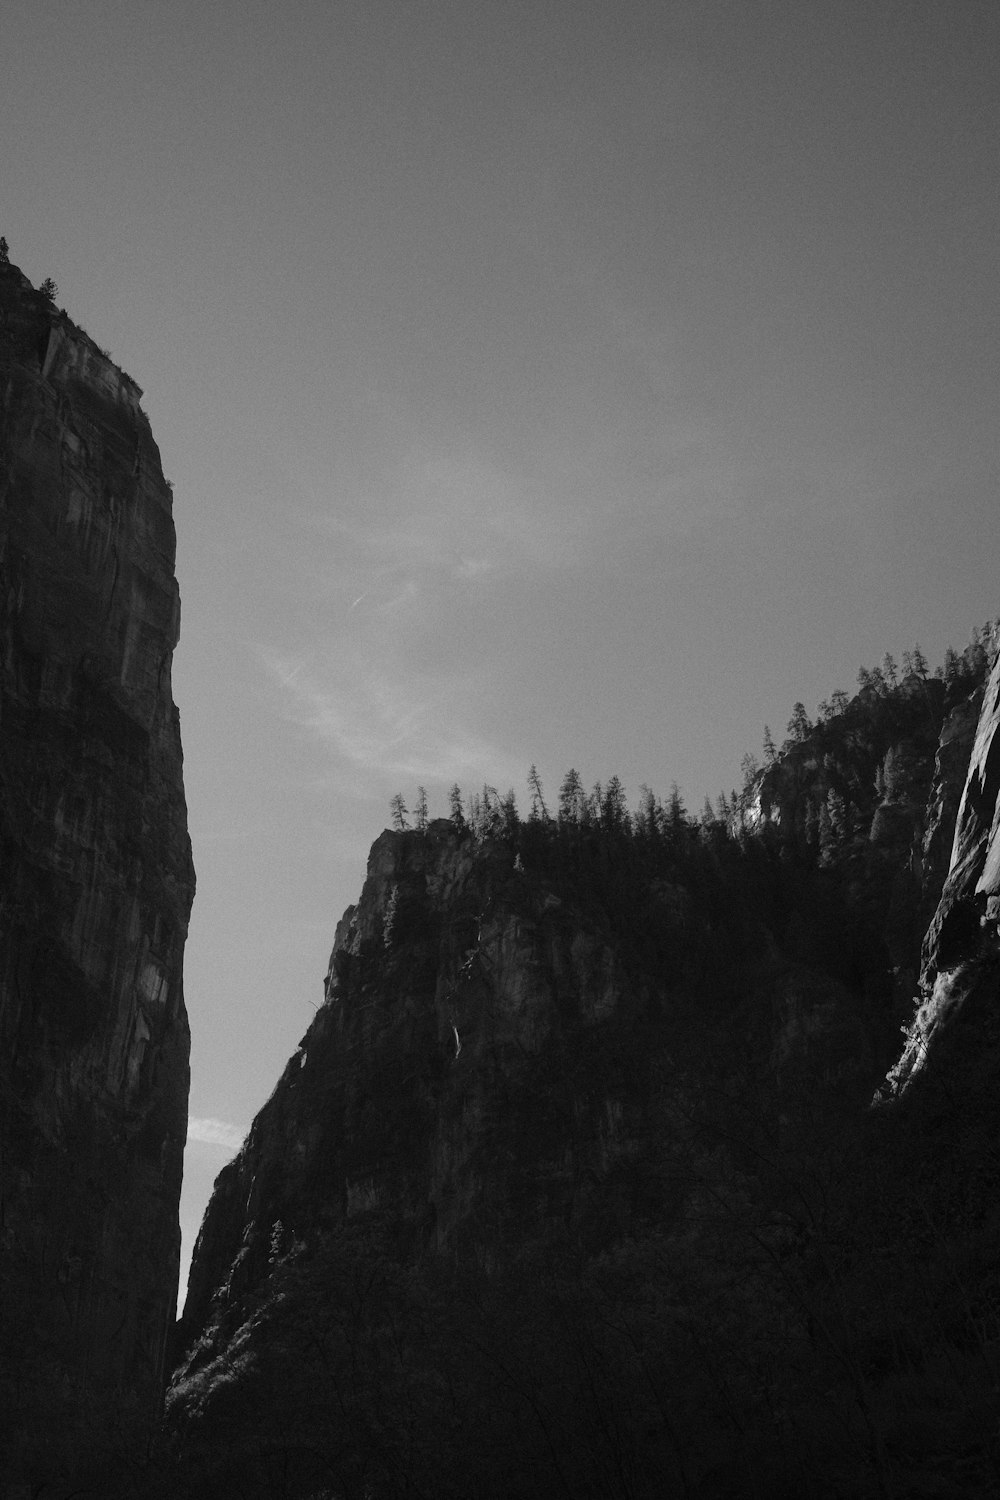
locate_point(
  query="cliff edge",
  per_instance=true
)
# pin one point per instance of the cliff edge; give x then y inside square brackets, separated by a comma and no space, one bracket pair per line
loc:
[96,892]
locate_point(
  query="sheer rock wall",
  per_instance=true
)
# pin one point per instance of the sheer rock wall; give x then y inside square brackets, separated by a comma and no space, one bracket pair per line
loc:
[955,1036]
[424,1083]
[97,884]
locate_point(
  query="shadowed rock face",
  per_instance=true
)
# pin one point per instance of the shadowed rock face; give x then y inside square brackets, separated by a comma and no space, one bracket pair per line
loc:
[956,1032]
[97,884]
[425,1083]
[491,1069]
[566,1078]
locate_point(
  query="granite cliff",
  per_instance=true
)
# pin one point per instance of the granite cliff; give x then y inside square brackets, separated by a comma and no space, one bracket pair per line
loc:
[954,1039]
[96,893]
[573,1185]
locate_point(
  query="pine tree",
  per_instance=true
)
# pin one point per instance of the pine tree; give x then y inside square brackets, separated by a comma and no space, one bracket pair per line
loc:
[49,290]
[675,813]
[399,813]
[4,251]
[508,813]
[539,812]
[798,725]
[420,810]
[571,797]
[889,670]
[614,805]
[455,806]
[649,813]
[770,748]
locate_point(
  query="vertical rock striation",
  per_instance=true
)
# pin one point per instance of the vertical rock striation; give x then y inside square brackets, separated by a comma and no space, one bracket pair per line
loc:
[96,889]
[955,1034]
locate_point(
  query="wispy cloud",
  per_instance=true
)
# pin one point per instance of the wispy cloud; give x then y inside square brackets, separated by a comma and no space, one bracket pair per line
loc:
[375,720]
[212,1132]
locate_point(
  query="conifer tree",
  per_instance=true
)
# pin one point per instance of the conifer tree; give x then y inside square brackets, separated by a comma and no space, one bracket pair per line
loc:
[399,813]
[571,797]
[539,812]
[799,725]
[510,821]
[614,806]
[675,814]
[420,810]
[455,806]
[649,814]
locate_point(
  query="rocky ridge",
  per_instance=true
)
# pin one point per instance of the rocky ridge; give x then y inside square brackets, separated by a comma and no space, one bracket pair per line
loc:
[607,1078]
[97,889]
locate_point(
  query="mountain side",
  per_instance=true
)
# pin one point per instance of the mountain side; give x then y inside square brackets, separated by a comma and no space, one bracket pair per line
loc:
[97,889]
[954,1040]
[572,1186]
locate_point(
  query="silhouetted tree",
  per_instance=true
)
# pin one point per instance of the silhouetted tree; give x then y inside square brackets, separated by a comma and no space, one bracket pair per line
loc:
[799,725]
[675,814]
[649,814]
[420,810]
[538,808]
[614,807]
[455,806]
[510,822]
[399,810]
[49,290]
[571,798]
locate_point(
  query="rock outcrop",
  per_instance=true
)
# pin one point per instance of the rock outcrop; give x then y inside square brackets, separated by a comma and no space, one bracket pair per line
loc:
[956,1031]
[572,1185]
[96,891]
[463,1072]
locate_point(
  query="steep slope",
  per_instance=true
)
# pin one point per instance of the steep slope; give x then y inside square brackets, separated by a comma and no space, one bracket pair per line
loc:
[572,1185]
[96,892]
[954,1040]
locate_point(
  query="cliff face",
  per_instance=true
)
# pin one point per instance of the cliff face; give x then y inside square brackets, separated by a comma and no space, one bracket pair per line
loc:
[572,1185]
[97,888]
[465,1071]
[956,1031]
[492,1058]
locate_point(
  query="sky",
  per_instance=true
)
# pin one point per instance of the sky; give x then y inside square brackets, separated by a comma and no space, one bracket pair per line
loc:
[559,382]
